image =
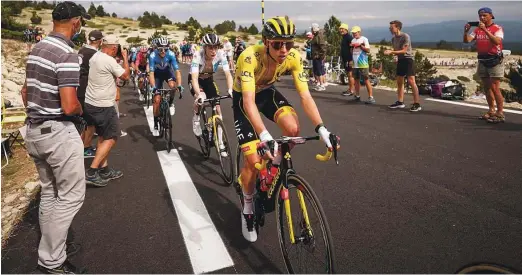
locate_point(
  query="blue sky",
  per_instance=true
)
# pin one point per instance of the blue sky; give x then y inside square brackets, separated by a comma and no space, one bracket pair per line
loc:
[365,14]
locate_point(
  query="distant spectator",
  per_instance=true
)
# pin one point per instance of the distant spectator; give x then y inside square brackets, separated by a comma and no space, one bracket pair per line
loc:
[86,52]
[319,56]
[229,51]
[52,138]
[489,37]
[100,100]
[405,66]
[346,57]
[239,48]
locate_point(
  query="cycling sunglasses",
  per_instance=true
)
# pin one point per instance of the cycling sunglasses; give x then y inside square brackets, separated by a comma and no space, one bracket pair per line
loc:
[163,49]
[279,44]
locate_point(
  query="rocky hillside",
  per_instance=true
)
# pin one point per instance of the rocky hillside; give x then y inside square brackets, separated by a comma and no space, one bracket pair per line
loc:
[14,56]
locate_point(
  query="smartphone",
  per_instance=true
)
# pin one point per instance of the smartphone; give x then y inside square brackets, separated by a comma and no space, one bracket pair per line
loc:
[474,23]
[119,54]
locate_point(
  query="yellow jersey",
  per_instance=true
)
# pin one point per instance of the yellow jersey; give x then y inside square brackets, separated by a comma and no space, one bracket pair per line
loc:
[252,74]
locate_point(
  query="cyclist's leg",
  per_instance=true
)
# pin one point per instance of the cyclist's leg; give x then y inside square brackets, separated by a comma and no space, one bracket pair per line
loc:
[211,91]
[159,78]
[196,127]
[280,111]
[248,140]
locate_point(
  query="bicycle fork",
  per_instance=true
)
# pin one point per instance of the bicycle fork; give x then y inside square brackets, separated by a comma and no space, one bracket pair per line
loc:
[286,199]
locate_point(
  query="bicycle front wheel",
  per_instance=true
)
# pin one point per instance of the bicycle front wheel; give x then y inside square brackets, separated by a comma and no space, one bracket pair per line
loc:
[168,129]
[312,250]
[224,154]
[203,140]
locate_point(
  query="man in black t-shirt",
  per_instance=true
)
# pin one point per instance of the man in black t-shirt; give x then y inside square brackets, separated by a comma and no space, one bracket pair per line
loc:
[347,57]
[86,52]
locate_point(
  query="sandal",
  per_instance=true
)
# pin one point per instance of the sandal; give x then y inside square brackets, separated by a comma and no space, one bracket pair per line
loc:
[487,115]
[496,118]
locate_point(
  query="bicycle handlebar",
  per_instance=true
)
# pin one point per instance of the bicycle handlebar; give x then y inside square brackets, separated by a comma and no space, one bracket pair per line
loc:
[334,140]
[217,98]
[170,89]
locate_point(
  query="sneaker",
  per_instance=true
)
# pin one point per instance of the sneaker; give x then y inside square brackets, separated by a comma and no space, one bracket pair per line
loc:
[155,132]
[172,110]
[89,152]
[223,150]
[95,179]
[396,105]
[142,98]
[357,98]
[370,100]
[415,107]
[65,268]
[346,93]
[111,174]
[196,126]
[247,227]
[123,133]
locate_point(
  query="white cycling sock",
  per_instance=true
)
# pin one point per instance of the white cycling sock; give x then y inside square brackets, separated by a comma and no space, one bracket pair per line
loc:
[220,133]
[248,203]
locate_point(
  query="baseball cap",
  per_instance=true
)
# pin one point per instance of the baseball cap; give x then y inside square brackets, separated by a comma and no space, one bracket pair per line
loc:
[68,10]
[344,26]
[356,29]
[111,40]
[486,10]
[95,35]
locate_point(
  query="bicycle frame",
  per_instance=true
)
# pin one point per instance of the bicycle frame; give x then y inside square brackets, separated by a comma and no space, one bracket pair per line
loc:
[212,120]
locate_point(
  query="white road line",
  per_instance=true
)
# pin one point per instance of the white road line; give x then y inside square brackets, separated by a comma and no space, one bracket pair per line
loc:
[204,245]
[471,105]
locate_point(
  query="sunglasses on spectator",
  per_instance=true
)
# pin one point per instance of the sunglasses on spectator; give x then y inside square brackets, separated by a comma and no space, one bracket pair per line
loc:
[279,44]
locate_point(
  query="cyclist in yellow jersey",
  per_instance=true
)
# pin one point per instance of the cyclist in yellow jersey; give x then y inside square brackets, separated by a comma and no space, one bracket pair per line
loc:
[257,69]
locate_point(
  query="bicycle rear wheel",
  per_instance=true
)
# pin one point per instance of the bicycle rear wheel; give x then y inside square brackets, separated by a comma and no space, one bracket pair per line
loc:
[307,239]
[227,165]
[203,140]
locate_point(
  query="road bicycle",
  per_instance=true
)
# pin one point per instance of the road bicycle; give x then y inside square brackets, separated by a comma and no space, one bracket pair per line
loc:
[165,117]
[211,128]
[146,85]
[275,195]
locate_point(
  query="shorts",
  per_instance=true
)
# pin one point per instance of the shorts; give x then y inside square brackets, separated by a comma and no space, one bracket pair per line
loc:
[485,72]
[318,67]
[271,103]
[105,120]
[87,119]
[405,67]
[160,76]
[208,85]
[360,72]
[346,65]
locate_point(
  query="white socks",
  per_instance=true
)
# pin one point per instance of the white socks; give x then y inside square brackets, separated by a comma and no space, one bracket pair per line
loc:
[248,203]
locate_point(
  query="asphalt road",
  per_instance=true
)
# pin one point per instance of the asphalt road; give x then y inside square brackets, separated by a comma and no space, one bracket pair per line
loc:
[425,192]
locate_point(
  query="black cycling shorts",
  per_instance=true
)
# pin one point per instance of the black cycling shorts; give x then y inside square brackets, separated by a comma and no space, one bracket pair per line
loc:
[270,102]
[207,85]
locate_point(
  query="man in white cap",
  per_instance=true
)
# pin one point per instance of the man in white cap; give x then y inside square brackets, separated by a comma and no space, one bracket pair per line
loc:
[319,56]
[100,107]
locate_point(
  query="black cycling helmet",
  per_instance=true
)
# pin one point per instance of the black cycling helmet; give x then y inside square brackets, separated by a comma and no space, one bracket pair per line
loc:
[279,27]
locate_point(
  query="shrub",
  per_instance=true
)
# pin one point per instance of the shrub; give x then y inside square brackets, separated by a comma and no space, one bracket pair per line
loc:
[134,40]
[8,34]
[124,26]
[123,36]
[35,19]
[463,78]
[444,77]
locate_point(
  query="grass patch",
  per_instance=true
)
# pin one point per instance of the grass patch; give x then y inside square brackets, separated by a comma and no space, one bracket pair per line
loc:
[125,32]
[143,32]
[135,40]
[124,26]
[94,25]
[123,36]
[388,83]
[110,33]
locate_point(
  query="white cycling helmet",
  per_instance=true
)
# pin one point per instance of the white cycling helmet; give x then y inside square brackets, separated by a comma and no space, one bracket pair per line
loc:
[211,39]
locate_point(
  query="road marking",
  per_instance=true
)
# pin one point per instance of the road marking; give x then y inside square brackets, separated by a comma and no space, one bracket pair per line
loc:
[204,245]
[471,105]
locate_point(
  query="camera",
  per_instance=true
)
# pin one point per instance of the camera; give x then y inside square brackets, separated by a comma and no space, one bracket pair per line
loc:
[119,53]
[474,23]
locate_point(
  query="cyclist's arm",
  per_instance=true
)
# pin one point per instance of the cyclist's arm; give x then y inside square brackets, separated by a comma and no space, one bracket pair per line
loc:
[152,81]
[248,88]
[307,101]
[226,69]
[194,71]
[175,67]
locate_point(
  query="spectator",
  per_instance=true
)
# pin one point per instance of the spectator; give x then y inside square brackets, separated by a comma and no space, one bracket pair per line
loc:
[227,46]
[86,52]
[100,99]
[318,57]
[53,141]
[240,47]
[490,67]
[308,49]
[405,66]
[361,67]
[346,57]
